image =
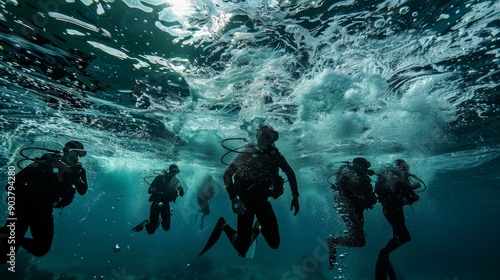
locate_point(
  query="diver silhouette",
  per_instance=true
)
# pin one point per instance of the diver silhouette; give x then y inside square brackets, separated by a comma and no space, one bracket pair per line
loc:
[394,190]
[250,180]
[205,192]
[353,195]
[164,189]
[51,181]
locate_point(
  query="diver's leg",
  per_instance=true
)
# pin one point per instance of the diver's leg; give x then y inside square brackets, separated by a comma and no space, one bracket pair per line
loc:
[383,268]
[42,231]
[354,221]
[154,216]
[204,210]
[382,265]
[269,225]
[390,271]
[165,216]
[401,235]
[357,233]
[202,220]
[345,211]
[242,239]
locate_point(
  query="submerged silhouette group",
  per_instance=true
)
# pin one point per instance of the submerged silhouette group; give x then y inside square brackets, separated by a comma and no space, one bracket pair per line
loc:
[250,180]
[353,194]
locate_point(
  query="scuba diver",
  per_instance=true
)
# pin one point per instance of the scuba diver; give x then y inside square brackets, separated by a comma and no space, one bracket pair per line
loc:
[164,189]
[395,190]
[250,180]
[353,195]
[204,194]
[51,181]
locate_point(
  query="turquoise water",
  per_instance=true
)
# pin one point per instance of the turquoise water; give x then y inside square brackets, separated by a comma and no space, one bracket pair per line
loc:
[147,83]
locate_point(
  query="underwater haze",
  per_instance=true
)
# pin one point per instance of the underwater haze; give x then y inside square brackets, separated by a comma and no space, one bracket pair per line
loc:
[146,83]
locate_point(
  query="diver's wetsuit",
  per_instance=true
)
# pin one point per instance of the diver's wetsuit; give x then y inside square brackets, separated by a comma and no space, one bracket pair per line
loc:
[354,195]
[394,190]
[204,194]
[254,176]
[164,189]
[38,188]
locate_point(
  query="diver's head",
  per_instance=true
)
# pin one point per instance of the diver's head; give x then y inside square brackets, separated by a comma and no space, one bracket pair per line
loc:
[266,135]
[402,164]
[173,169]
[72,151]
[361,165]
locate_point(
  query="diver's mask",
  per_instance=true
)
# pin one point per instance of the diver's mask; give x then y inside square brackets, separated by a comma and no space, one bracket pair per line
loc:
[71,156]
[78,152]
[268,136]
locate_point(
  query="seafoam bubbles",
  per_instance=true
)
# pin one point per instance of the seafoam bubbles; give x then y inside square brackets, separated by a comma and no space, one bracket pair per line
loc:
[404,10]
[14,3]
[321,95]
[416,121]
[379,23]
[340,114]
[337,107]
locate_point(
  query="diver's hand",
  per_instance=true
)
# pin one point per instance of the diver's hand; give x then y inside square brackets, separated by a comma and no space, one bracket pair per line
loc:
[237,205]
[295,204]
[79,179]
[77,172]
[181,191]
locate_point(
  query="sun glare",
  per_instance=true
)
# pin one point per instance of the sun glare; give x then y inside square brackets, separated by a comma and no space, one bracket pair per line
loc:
[181,7]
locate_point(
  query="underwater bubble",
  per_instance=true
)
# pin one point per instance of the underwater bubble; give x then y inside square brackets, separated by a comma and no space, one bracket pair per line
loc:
[342,256]
[404,10]
[13,3]
[379,23]
[414,14]
[117,248]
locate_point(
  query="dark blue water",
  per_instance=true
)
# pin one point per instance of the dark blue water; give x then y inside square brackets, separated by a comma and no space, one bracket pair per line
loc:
[146,84]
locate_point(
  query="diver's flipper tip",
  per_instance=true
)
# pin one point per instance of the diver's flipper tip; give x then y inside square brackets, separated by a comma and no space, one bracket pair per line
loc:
[219,227]
[140,226]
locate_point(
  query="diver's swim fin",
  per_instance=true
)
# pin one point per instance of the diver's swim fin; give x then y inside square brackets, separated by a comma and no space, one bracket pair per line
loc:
[251,250]
[140,226]
[253,244]
[219,227]
[332,252]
